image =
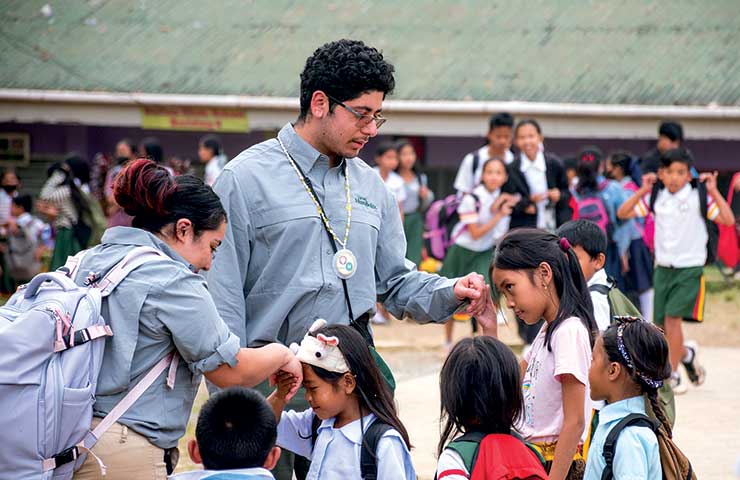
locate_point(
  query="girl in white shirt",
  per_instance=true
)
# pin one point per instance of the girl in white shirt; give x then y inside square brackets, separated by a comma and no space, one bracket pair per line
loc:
[212,155]
[484,219]
[347,394]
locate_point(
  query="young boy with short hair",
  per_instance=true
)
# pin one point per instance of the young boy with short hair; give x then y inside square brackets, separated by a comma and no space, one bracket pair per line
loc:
[235,438]
[589,244]
[680,250]
[498,144]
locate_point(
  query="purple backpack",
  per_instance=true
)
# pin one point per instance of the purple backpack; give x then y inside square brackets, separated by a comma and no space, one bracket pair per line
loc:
[440,220]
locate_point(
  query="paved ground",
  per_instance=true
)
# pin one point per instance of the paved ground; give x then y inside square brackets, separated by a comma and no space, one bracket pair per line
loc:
[708,418]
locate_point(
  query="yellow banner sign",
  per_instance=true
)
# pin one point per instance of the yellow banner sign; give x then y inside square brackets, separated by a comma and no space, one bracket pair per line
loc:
[196,119]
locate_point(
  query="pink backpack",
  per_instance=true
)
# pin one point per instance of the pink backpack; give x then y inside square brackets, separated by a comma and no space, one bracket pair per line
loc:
[647,230]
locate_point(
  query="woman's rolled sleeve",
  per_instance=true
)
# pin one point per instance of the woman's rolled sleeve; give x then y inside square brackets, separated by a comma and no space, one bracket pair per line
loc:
[201,337]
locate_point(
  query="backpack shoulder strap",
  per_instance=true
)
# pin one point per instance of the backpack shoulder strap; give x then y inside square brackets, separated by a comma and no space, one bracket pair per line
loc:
[701,188]
[599,288]
[467,447]
[133,260]
[610,444]
[315,424]
[369,457]
[654,195]
[476,161]
[531,447]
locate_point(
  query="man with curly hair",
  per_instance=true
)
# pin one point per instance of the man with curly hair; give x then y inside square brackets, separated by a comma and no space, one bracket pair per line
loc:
[313,232]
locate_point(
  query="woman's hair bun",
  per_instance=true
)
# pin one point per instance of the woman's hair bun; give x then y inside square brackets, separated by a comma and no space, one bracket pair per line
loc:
[144,188]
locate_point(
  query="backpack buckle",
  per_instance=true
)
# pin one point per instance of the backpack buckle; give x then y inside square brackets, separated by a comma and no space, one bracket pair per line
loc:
[69,455]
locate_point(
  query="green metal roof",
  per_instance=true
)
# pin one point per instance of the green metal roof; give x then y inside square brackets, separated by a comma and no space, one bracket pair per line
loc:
[602,51]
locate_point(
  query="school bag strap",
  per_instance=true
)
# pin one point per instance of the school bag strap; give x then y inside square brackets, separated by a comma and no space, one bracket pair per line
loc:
[654,194]
[370,440]
[467,447]
[610,444]
[476,161]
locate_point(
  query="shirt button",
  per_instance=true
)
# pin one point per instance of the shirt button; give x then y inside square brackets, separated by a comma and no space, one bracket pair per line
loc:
[329,252]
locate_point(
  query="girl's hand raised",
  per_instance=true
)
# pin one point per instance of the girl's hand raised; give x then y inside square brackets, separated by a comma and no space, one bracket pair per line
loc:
[287,384]
[488,318]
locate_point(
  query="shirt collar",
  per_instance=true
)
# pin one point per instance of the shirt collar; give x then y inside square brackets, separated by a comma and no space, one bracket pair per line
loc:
[683,193]
[618,410]
[599,278]
[538,163]
[256,472]
[302,152]
[140,238]
[351,431]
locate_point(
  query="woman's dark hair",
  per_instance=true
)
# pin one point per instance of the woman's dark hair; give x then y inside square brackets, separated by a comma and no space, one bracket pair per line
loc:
[401,144]
[526,249]
[384,148]
[80,168]
[623,160]
[129,143]
[78,198]
[344,69]
[528,121]
[153,149]
[147,192]
[212,143]
[587,169]
[647,349]
[372,390]
[480,389]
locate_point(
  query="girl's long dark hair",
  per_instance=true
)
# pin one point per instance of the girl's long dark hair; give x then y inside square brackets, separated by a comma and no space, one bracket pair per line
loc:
[648,349]
[525,249]
[371,388]
[480,389]
[400,144]
[587,170]
[78,198]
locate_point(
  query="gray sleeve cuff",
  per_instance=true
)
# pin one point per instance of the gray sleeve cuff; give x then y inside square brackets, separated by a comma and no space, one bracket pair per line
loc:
[225,353]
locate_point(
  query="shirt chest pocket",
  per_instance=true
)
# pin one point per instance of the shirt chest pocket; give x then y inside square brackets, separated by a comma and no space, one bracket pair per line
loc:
[290,228]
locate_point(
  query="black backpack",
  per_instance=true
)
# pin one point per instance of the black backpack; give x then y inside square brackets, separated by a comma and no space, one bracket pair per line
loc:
[712,228]
[368,457]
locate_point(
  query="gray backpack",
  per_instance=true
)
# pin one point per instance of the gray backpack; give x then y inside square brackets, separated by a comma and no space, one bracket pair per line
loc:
[53,337]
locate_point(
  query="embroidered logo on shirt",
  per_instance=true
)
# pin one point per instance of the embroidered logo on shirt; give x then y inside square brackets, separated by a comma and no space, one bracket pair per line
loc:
[360,200]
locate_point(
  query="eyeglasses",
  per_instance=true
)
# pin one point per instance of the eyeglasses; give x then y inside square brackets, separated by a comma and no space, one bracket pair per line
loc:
[363,120]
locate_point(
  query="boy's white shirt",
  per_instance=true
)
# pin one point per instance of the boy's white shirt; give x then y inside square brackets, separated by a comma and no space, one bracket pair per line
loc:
[466,179]
[600,301]
[204,474]
[602,314]
[680,231]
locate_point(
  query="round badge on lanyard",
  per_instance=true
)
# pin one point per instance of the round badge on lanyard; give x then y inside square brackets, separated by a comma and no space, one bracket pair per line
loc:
[345,264]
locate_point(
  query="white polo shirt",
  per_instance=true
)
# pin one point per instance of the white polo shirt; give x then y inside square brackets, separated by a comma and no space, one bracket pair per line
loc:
[680,231]
[535,172]
[472,212]
[466,180]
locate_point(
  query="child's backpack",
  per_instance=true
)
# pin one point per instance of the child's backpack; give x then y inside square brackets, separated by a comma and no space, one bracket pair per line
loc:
[674,463]
[619,304]
[53,338]
[591,207]
[368,455]
[440,221]
[498,457]
[712,228]
[647,227]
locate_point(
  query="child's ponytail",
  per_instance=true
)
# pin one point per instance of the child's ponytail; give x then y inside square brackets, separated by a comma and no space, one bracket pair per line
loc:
[526,249]
[642,348]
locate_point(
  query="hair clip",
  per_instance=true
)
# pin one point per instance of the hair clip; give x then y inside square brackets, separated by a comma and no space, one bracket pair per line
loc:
[564,244]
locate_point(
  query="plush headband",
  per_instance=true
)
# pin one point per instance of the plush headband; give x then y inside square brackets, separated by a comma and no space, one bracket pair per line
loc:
[320,351]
